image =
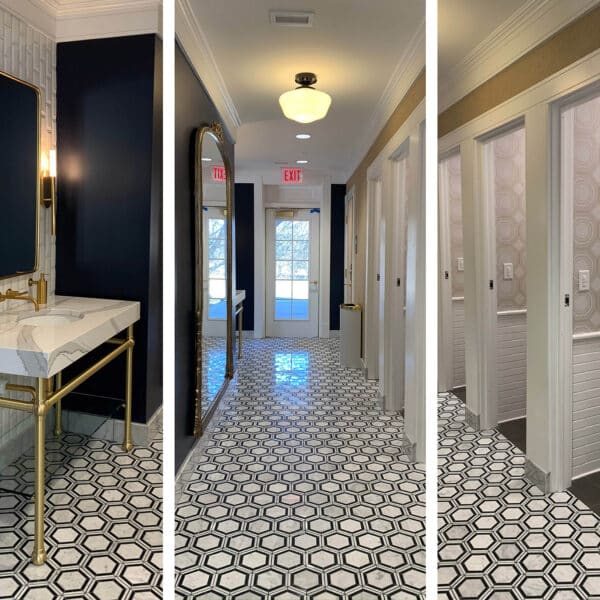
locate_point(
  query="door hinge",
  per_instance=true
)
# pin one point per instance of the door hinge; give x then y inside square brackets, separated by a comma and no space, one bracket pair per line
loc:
[567,300]
[398,281]
[378,277]
[491,284]
[446,275]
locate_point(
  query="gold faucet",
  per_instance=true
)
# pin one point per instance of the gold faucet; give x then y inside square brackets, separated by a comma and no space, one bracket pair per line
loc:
[42,289]
[14,295]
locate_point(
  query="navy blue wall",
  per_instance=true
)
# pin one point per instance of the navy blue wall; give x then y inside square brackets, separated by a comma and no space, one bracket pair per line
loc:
[338,193]
[244,248]
[109,208]
[193,108]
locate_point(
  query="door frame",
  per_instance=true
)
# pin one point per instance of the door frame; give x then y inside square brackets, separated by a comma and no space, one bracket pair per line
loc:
[487,281]
[373,242]
[561,342]
[270,220]
[350,246]
[445,309]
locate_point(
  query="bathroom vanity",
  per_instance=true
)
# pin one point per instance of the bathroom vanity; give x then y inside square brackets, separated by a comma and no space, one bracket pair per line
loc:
[40,344]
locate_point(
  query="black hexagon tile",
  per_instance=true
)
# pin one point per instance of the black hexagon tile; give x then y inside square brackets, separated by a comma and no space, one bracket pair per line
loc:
[299,488]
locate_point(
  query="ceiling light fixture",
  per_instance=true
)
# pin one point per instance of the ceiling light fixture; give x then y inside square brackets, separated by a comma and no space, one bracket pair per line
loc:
[302,162]
[303,136]
[205,159]
[305,104]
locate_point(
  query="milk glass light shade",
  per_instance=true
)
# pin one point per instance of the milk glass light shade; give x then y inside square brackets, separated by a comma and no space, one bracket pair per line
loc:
[305,104]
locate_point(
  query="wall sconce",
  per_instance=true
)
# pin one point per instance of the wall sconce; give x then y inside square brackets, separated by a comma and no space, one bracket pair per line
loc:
[48,186]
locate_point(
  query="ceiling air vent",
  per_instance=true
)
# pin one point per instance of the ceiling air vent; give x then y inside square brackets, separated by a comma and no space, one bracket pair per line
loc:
[288,18]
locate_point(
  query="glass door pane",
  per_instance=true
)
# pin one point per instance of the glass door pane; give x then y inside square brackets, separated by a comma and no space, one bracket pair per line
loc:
[292,239]
[217,252]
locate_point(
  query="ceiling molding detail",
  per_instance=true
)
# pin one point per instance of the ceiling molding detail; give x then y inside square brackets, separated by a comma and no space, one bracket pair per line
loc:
[527,27]
[407,69]
[70,20]
[196,47]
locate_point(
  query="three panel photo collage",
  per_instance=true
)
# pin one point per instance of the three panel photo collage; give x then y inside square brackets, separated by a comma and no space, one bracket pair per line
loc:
[265,280]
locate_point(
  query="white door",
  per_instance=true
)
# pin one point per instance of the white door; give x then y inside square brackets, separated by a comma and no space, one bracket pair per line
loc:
[292,294]
[215,270]
[349,249]
[504,188]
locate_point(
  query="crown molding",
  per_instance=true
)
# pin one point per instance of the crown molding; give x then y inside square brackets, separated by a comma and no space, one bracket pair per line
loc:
[407,69]
[195,45]
[526,28]
[70,20]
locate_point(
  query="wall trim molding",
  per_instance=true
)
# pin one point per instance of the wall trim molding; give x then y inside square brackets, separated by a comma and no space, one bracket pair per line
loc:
[525,29]
[72,20]
[407,69]
[195,45]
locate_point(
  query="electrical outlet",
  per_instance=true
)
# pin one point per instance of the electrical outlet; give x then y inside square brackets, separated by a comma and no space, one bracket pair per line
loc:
[508,271]
[460,264]
[584,280]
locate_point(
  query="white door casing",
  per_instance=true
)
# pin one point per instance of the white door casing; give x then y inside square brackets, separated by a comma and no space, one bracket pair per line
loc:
[349,247]
[292,268]
[371,314]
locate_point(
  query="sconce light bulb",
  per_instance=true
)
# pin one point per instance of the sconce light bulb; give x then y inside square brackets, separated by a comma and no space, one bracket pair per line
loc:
[44,164]
[52,163]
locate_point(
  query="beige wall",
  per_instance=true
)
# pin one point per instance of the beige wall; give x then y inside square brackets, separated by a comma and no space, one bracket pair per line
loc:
[407,105]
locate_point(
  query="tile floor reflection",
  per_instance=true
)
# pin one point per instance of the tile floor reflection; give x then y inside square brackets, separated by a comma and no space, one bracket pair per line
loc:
[500,537]
[103,523]
[299,488]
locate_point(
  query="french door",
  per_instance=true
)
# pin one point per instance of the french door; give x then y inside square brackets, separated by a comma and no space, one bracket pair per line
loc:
[292,269]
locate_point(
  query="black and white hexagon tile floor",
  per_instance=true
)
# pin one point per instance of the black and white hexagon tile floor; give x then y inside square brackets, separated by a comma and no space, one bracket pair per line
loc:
[500,537]
[103,523]
[299,488]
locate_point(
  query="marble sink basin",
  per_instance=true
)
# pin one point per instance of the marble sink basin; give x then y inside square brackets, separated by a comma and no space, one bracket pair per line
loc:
[41,344]
[50,319]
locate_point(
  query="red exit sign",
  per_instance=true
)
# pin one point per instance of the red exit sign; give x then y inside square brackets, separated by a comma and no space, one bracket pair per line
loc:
[219,174]
[291,175]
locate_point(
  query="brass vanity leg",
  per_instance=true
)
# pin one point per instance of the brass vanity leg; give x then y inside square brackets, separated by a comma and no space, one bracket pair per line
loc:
[39,413]
[127,445]
[58,409]
[240,329]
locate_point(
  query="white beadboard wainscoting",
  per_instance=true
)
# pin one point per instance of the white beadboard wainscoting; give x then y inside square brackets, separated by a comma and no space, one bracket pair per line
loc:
[511,361]
[458,341]
[28,54]
[586,404]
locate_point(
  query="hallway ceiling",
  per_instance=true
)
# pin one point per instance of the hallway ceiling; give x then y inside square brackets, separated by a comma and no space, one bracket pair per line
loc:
[354,47]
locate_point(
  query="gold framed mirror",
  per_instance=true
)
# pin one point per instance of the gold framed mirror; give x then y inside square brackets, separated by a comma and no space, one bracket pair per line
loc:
[20,158]
[213,209]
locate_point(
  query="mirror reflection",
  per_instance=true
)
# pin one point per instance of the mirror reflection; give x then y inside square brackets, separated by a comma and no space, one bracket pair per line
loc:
[19,174]
[214,273]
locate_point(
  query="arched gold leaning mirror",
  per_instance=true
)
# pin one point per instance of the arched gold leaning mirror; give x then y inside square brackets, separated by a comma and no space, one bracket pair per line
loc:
[214,256]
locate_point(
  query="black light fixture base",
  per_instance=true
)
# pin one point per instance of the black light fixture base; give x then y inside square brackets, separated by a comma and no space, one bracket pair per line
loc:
[306,79]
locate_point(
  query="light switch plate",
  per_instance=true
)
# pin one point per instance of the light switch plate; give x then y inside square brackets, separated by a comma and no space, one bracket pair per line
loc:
[584,280]
[508,271]
[460,264]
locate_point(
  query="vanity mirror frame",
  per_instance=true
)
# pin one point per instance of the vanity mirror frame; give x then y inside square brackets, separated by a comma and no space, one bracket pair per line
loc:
[214,130]
[37,198]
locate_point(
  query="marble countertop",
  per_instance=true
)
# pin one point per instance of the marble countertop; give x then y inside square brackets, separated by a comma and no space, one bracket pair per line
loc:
[44,350]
